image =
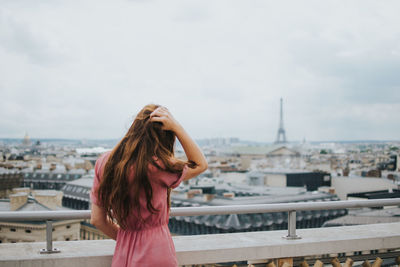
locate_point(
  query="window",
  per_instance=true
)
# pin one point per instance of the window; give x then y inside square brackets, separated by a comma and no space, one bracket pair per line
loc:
[28,231]
[67,239]
[13,230]
[68,226]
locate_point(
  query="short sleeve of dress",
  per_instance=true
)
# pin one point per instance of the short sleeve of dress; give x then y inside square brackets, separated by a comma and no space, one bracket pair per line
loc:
[96,180]
[172,180]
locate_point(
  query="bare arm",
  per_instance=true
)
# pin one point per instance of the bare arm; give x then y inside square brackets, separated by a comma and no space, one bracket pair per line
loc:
[192,151]
[99,219]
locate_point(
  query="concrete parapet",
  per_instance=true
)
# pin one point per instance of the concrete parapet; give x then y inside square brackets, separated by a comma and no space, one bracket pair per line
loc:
[204,249]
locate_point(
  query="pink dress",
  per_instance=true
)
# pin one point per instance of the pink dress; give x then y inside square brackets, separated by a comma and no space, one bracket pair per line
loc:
[149,243]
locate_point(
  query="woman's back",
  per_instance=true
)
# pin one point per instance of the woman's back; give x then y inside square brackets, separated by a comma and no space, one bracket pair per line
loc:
[131,184]
[150,234]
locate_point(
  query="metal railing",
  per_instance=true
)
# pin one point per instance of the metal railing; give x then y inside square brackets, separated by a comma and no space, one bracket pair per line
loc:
[291,208]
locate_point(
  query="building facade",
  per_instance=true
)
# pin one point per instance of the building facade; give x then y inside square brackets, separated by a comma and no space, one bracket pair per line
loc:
[25,199]
[9,179]
[45,179]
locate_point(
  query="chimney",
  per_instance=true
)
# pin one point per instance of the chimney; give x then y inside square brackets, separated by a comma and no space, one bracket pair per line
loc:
[18,200]
[208,197]
[229,195]
[191,193]
[49,198]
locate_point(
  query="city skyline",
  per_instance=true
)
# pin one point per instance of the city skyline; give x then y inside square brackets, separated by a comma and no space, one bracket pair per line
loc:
[220,68]
[94,142]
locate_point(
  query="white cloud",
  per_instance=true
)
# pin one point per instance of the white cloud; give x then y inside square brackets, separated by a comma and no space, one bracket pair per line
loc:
[83,69]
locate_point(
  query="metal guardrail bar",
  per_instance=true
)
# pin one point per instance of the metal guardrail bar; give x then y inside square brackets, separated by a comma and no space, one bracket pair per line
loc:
[282,207]
[44,215]
[291,208]
[209,210]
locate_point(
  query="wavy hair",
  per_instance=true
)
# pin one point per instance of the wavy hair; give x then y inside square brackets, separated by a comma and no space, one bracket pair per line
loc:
[143,144]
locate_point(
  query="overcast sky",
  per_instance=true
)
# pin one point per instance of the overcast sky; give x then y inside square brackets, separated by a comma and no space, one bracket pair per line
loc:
[83,69]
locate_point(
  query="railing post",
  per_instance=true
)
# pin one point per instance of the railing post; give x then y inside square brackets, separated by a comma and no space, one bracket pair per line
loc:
[292,226]
[49,239]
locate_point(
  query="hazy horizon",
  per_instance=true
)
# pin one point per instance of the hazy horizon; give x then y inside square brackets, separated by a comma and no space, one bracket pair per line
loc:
[205,138]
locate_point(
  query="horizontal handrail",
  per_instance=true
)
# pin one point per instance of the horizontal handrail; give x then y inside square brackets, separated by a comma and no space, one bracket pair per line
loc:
[209,210]
[282,207]
[291,208]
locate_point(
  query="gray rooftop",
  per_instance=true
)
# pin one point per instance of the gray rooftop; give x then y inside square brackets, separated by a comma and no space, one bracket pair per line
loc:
[373,216]
[85,182]
[30,205]
[6,171]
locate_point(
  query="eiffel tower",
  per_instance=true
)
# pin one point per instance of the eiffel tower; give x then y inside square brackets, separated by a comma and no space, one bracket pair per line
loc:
[281,137]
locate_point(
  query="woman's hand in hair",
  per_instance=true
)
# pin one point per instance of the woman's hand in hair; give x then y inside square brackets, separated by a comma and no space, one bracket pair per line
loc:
[162,114]
[192,151]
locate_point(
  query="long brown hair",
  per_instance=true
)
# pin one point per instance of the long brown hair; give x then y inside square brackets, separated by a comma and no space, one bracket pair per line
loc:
[144,142]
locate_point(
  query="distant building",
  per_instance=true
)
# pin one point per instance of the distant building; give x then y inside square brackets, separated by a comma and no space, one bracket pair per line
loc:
[9,179]
[366,216]
[392,164]
[77,196]
[283,151]
[27,140]
[377,194]
[23,199]
[76,193]
[287,178]
[345,186]
[46,179]
[371,173]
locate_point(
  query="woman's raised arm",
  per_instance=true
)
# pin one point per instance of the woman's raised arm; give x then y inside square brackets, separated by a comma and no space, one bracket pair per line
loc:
[192,150]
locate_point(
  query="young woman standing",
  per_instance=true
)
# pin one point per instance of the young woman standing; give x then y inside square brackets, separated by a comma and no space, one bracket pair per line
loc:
[130,194]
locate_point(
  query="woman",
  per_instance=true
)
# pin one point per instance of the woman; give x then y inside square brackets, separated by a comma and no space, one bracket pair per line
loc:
[130,194]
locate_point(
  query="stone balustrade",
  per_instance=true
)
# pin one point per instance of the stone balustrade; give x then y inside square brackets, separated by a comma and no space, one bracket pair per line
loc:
[203,249]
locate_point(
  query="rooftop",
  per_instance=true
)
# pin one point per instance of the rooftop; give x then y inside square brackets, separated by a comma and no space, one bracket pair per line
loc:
[85,182]
[387,215]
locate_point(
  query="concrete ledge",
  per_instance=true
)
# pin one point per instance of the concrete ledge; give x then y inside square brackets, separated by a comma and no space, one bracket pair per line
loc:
[202,249]
[270,245]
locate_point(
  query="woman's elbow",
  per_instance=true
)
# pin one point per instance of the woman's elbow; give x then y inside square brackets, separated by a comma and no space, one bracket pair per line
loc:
[202,167]
[95,222]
